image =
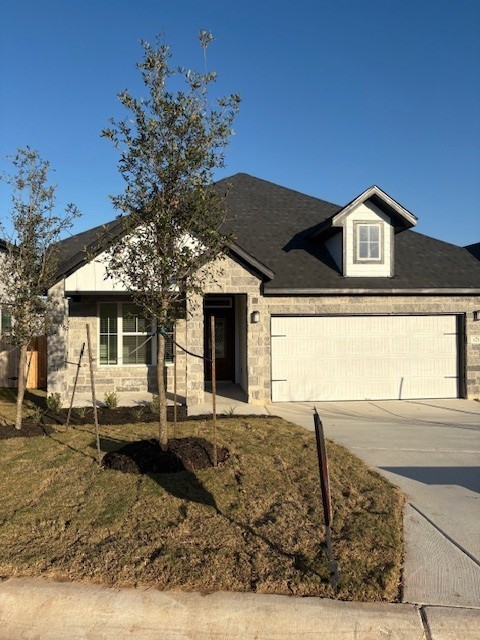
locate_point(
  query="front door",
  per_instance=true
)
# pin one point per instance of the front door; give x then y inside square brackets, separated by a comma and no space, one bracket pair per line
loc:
[224,344]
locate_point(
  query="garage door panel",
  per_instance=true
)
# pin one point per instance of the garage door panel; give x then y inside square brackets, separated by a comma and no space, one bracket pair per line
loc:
[359,357]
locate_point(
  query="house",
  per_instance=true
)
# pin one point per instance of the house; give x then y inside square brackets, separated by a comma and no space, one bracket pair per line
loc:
[474,249]
[313,301]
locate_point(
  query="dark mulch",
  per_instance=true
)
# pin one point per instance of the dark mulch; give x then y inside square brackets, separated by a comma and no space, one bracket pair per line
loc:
[183,454]
[118,416]
[30,429]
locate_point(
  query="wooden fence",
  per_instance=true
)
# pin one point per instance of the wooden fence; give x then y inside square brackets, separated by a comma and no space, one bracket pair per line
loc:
[36,364]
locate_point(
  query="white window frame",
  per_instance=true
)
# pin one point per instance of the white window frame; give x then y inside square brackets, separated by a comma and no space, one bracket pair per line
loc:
[120,334]
[368,224]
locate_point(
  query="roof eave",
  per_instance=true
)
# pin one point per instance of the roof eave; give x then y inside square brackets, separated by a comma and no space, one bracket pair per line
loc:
[290,291]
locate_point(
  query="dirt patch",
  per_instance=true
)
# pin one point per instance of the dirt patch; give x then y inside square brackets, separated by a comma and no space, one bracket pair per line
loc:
[183,454]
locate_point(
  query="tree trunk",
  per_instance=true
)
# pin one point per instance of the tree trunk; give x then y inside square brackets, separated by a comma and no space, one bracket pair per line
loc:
[162,396]
[22,383]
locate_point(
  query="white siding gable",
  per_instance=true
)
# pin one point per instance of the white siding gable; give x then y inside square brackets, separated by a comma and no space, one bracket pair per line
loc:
[367,212]
[93,277]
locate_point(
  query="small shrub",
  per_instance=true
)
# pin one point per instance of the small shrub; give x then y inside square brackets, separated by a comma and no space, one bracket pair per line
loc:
[139,413]
[154,405]
[111,400]
[37,415]
[54,402]
[81,412]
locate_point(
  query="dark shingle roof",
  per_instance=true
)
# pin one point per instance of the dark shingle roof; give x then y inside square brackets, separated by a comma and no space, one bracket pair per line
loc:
[474,249]
[3,245]
[273,224]
[73,252]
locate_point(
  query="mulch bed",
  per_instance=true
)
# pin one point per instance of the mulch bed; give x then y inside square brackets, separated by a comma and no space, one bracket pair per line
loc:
[30,429]
[120,415]
[183,454]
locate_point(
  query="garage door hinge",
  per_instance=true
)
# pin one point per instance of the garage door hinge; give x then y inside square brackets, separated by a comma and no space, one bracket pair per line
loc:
[278,335]
[279,380]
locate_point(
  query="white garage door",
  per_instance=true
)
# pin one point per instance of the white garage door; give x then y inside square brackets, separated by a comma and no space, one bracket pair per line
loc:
[364,357]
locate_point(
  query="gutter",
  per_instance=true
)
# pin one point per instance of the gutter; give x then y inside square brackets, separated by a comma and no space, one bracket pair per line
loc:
[271,291]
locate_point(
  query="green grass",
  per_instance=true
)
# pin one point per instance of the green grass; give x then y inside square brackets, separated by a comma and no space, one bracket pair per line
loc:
[253,525]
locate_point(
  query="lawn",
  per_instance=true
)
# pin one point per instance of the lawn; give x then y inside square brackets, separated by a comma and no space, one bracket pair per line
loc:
[253,524]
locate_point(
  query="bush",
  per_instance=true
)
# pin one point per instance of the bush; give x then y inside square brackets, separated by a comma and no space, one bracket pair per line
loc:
[54,402]
[154,405]
[111,400]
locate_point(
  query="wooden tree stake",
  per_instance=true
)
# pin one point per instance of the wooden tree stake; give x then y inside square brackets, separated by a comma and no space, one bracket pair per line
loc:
[75,385]
[94,401]
[214,390]
[174,381]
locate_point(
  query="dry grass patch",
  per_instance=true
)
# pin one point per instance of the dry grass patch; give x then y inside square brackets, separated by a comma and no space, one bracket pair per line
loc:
[255,524]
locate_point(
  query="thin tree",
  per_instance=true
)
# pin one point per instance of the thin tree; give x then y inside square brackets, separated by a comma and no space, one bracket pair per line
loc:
[170,143]
[31,261]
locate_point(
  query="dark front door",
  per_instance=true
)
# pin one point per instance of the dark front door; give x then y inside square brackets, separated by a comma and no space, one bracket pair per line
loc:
[224,344]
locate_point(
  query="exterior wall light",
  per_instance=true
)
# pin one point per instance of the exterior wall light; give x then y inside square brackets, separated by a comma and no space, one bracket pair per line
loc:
[476,316]
[255,317]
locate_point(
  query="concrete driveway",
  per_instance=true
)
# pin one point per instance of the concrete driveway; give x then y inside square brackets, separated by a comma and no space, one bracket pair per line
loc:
[431,450]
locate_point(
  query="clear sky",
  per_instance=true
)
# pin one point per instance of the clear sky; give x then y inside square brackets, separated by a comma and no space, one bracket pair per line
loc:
[337,95]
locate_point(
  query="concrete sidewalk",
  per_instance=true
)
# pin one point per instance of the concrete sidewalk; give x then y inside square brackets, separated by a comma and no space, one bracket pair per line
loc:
[42,610]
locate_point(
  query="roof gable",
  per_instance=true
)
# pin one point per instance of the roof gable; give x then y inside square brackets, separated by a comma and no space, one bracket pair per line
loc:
[401,217]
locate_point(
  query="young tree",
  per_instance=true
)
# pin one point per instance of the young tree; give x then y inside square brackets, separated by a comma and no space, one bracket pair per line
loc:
[31,260]
[170,144]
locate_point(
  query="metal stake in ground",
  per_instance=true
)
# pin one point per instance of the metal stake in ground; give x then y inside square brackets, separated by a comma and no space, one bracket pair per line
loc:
[75,385]
[94,401]
[326,497]
[214,390]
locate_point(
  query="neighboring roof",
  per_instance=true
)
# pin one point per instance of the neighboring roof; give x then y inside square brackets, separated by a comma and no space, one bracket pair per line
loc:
[474,249]
[401,218]
[273,226]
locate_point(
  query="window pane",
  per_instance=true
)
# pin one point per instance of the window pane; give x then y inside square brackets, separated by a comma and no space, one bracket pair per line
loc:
[5,322]
[108,349]
[137,350]
[363,233]
[133,320]
[363,250]
[374,250]
[108,318]
[374,233]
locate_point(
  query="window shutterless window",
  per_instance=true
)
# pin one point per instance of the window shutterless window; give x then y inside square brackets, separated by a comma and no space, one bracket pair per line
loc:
[368,242]
[125,335]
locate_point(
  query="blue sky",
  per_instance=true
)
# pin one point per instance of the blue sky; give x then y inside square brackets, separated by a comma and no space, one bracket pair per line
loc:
[336,95]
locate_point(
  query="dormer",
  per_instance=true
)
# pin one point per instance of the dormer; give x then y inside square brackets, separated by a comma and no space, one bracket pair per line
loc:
[361,236]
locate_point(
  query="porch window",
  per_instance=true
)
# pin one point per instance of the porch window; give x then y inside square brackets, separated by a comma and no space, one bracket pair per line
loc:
[127,337]
[136,336]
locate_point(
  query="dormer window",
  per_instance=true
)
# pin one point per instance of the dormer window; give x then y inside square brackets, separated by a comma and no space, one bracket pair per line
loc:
[368,238]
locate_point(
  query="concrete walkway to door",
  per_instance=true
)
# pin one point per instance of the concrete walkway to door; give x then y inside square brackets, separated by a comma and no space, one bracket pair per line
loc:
[431,450]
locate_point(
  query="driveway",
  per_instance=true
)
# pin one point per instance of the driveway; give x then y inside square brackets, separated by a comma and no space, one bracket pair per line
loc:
[431,450]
